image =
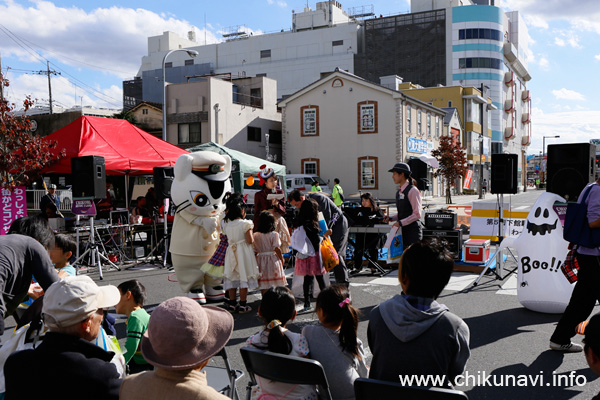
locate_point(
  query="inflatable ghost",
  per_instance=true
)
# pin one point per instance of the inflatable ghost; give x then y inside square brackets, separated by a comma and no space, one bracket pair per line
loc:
[541,251]
[199,190]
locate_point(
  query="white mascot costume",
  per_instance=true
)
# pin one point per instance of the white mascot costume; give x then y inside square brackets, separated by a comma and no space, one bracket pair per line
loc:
[541,251]
[200,187]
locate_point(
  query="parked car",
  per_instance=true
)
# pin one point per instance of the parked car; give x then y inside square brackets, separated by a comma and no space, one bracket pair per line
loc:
[304,182]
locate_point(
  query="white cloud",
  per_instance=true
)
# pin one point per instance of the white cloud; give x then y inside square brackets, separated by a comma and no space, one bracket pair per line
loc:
[544,63]
[279,3]
[571,126]
[566,38]
[584,15]
[597,57]
[566,94]
[111,41]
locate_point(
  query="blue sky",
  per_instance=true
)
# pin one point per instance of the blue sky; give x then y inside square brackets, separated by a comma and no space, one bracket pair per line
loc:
[95,45]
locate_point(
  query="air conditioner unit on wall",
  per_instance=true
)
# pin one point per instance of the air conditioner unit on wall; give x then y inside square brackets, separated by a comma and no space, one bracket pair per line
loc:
[509,79]
[525,95]
[526,140]
[509,133]
[508,105]
[525,118]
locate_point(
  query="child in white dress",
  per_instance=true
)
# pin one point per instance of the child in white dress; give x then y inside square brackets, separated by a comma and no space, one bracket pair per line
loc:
[278,307]
[240,268]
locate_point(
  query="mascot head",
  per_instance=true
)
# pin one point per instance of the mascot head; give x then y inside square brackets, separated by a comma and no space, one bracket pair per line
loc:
[201,185]
[543,219]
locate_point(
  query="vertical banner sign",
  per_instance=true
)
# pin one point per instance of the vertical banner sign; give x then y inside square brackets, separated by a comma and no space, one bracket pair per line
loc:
[13,205]
[468,179]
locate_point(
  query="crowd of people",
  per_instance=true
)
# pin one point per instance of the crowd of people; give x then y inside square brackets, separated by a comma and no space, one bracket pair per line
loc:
[165,351]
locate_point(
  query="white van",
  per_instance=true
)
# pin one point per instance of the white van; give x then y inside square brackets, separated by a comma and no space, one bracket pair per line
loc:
[304,182]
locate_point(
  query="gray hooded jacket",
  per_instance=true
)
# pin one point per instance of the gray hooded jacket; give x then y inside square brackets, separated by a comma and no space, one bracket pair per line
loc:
[416,336]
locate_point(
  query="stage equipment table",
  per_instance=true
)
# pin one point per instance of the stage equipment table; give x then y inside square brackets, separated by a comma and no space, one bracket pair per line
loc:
[380,229]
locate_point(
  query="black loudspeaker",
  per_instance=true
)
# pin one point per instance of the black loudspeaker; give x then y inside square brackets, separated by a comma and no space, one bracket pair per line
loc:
[569,168]
[504,173]
[89,177]
[163,179]
[452,238]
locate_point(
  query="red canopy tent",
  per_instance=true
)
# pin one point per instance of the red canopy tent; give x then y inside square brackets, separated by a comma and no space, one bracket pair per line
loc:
[127,150]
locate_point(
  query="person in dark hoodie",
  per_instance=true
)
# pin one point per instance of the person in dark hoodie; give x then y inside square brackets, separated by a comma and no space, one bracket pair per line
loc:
[412,334]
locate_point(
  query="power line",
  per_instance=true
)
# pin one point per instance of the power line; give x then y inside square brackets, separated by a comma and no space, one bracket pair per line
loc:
[91,91]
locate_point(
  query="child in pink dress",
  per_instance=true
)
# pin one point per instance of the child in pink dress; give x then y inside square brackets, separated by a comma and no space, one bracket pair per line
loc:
[268,253]
[306,240]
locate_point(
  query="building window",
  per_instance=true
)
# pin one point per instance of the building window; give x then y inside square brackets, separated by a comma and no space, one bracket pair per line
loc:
[367,117]
[367,172]
[309,121]
[256,97]
[480,62]
[449,104]
[337,43]
[428,125]
[145,111]
[189,133]
[310,166]
[261,75]
[437,126]
[254,134]
[419,123]
[408,116]
[189,62]
[169,64]
[480,33]
[265,53]
[274,136]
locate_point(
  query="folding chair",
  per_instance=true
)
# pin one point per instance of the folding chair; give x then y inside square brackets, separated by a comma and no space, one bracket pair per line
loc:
[373,389]
[223,379]
[284,368]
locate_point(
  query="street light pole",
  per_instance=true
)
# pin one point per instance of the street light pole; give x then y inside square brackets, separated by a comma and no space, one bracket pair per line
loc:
[544,153]
[191,53]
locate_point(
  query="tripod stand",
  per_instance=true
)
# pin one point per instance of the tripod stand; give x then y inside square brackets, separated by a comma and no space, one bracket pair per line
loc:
[164,240]
[499,256]
[94,251]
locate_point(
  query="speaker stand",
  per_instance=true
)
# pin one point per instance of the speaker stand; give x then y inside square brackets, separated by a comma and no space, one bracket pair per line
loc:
[499,260]
[164,239]
[94,251]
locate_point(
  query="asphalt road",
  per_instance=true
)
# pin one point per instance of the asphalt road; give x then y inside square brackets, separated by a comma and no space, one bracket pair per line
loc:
[507,340]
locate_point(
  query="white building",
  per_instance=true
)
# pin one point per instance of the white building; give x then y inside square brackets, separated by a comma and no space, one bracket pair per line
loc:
[237,113]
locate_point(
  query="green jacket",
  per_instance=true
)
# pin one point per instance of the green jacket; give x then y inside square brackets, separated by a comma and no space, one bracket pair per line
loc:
[335,194]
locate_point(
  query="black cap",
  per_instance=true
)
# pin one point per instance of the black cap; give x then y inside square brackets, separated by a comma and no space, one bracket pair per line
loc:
[401,167]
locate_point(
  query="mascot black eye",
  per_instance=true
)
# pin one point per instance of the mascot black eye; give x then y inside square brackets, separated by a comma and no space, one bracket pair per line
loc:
[226,197]
[546,213]
[200,199]
[538,212]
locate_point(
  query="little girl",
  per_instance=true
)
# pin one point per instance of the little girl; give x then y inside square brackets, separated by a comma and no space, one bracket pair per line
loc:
[277,308]
[306,240]
[334,342]
[269,257]
[240,268]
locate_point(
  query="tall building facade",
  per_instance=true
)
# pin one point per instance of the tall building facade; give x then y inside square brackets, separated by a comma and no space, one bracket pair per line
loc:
[469,43]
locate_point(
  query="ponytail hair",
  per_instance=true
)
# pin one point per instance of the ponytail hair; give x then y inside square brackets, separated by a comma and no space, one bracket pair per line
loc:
[334,302]
[277,308]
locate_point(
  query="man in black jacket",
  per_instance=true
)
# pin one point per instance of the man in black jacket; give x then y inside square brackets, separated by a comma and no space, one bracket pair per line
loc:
[336,221]
[66,364]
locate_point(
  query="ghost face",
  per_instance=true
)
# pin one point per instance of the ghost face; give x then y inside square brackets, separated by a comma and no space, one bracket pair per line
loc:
[544,220]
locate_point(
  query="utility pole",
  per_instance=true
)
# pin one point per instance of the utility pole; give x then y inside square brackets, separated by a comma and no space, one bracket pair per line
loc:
[48,73]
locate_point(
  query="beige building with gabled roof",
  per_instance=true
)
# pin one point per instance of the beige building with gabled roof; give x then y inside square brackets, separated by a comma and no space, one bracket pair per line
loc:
[345,127]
